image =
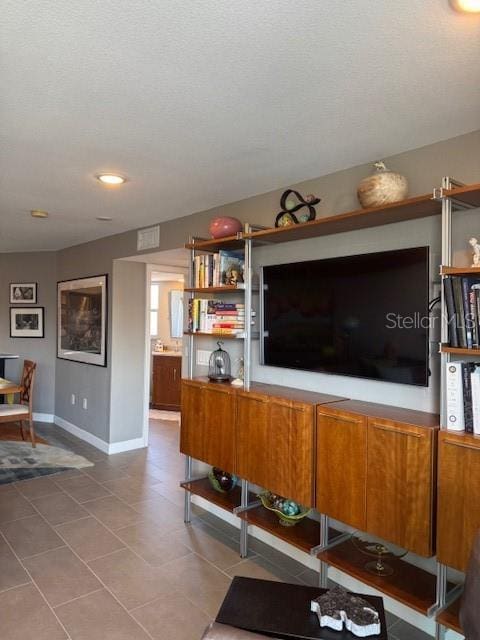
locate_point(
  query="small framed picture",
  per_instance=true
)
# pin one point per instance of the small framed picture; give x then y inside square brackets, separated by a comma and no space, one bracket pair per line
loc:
[27,322]
[23,293]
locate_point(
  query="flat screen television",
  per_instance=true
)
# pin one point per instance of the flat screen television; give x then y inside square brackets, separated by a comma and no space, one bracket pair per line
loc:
[364,316]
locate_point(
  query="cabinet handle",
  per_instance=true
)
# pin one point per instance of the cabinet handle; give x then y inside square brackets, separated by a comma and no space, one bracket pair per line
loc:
[462,445]
[340,418]
[402,432]
[174,374]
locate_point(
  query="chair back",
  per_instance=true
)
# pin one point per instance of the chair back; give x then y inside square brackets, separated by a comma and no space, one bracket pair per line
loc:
[28,377]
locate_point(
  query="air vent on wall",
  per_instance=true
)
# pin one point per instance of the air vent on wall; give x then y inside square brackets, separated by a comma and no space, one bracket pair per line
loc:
[148,238]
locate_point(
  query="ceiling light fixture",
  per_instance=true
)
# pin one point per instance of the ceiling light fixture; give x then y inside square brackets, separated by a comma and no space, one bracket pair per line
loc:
[111,179]
[38,213]
[466,6]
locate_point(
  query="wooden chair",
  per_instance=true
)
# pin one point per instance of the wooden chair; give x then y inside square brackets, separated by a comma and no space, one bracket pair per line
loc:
[22,412]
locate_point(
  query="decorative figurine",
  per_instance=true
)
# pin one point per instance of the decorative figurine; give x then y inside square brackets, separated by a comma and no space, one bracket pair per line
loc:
[224,226]
[291,202]
[473,242]
[382,187]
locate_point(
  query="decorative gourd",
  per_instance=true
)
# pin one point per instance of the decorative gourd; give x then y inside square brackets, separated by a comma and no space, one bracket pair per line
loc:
[382,187]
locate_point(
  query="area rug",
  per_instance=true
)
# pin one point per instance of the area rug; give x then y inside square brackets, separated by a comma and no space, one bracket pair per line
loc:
[20,461]
[157,414]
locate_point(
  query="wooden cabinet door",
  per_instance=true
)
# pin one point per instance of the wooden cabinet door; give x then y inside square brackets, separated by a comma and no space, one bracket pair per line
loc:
[276,445]
[401,484]
[192,424]
[458,515]
[219,437]
[341,466]
[166,382]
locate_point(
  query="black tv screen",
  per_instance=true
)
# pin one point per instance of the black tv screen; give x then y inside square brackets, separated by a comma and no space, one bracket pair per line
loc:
[364,316]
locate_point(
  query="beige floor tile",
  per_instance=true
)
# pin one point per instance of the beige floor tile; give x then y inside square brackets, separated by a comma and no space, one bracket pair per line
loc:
[30,536]
[37,487]
[172,616]
[12,574]
[154,546]
[61,576]
[99,617]
[89,539]
[132,490]
[83,488]
[59,508]
[112,512]
[211,545]
[25,614]
[102,472]
[133,581]
[162,511]
[14,506]
[201,582]
[66,475]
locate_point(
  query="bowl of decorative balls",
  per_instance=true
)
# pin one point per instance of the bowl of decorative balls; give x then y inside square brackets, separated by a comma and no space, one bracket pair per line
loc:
[222,481]
[288,511]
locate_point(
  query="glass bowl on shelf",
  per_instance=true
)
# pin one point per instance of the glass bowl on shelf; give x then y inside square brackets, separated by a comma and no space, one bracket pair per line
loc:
[289,512]
[222,481]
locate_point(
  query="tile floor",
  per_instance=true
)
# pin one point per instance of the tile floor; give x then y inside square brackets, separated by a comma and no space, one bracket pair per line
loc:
[103,553]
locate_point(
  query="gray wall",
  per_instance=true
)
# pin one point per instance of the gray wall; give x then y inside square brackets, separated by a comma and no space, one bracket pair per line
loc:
[127,400]
[424,167]
[37,267]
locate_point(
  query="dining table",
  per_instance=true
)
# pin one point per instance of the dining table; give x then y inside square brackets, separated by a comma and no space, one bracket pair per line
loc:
[7,387]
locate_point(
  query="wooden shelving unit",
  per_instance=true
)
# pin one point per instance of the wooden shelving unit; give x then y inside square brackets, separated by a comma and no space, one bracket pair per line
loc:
[210,246]
[223,336]
[459,271]
[468,194]
[410,585]
[459,351]
[203,488]
[409,209]
[305,535]
[449,617]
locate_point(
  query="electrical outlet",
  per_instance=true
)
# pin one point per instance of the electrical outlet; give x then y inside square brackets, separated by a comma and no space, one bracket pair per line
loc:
[72,398]
[85,403]
[203,357]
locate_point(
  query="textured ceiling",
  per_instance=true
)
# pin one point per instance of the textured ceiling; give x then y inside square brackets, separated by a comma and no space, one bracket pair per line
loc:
[205,102]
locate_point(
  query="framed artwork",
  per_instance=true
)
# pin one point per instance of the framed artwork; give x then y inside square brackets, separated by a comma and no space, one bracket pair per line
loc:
[82,320]
[23,293]
[27,322]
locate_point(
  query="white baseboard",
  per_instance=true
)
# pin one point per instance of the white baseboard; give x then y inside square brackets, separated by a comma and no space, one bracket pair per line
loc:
[82,434]
[126,445]
[43,417]
[98,443]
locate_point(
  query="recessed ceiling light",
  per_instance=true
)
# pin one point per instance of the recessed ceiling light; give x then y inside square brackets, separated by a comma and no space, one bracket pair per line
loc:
[467,6]
[38,213]
[104,218]
[110,179]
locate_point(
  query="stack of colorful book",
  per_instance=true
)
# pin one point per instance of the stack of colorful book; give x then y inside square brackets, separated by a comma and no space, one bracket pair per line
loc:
[463,396]
[462,297]
[218,269]
[216,317]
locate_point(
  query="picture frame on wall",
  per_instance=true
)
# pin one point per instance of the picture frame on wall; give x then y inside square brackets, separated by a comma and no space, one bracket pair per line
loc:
[27,322]
[82,320]
[23,293]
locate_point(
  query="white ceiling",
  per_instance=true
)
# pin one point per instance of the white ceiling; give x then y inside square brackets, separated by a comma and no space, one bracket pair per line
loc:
[202,103]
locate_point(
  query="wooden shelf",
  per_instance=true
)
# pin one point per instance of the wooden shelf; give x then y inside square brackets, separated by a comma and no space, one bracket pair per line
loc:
[459,351]
[224,336]
[469,194]
[449,617]
[410,585]
[305,535]
[409,209]
[210,246]
[459,271]
[225,289]
[204,489]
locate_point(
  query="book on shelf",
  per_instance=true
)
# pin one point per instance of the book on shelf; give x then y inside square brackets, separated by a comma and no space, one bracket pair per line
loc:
[463,396]
[218,269]
[210,316]
[462,301]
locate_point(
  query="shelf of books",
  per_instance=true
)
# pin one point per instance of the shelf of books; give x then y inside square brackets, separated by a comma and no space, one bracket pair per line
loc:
[462,300]
[410,585]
